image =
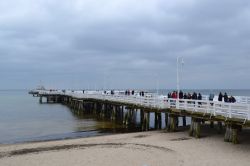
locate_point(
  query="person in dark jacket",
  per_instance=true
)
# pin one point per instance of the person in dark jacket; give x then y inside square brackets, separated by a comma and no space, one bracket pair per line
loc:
[185,96]
[194,96]
[211,97]
[169,95]
[226,97]
[233,100]
[220,97]
[199,97]
[181,95]
[133,92]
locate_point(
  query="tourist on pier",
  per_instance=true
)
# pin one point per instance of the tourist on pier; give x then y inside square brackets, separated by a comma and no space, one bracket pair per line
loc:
[220,97]
[231,99]
[225,98]
[199,97]
[174,95]
[211,97]
[169,95]
[133,92]
[189,96]
[181,95]
[194,96]
[185,96]
[142,93]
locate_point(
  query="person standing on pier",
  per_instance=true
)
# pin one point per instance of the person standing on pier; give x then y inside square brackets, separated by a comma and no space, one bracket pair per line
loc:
[231,99]
[169,95]
[225,98]
[185,96]
[194,96]
[181,95]
[174,95]
[220,97]
[199,97]
[211,97]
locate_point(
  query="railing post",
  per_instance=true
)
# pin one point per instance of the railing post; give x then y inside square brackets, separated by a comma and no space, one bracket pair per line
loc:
[177,103]
[230,111]
[185,104]
[248,111]
[195,106]
[214,108]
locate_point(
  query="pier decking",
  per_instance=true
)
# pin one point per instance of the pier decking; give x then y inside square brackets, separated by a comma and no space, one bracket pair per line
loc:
[234,116]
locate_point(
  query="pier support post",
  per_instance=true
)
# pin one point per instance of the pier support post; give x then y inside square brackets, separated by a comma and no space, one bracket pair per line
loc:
[220,128]
[227,133]
[156,120]
[231,134]
[127,118]
[184,122]
[41,100]
[173,123]
[160,120]
[113,115]
[211,124]
[166,121]
[147,121]
[146,117]
[195,127]
[235,135]
[141,116]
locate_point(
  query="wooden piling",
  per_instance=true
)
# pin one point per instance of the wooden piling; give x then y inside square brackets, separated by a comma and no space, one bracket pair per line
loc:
[195,127]
[173,123]
[220,127]
[156,120]
[41,100]
[184,123]
[231,134]
[212,124]
[160,121]
[166,121]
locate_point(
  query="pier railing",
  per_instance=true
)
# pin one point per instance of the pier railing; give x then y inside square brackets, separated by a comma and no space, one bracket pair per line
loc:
[213,108]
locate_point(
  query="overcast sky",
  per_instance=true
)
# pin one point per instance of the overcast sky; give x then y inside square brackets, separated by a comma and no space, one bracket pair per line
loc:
[124,43]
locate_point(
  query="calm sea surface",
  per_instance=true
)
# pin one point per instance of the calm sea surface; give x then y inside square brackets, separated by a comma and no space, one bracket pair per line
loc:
[23,119]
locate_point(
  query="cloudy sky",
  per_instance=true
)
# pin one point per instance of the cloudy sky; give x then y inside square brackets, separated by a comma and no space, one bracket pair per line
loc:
[124,43]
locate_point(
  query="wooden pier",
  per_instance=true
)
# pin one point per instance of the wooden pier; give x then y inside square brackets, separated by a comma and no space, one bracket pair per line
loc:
[231,117]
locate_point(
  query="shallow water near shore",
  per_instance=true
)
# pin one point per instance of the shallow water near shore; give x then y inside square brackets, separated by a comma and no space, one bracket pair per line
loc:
[24,119]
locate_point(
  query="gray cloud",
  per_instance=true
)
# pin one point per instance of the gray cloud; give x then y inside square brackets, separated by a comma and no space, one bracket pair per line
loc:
[124,43]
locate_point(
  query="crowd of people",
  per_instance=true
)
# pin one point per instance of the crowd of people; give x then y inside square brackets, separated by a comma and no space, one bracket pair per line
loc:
[193,96]
[132,92]
[198,96]
[227,99]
